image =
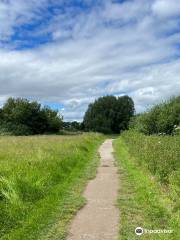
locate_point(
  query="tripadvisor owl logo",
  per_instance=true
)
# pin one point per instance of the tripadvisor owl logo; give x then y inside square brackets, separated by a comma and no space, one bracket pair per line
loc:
[139,231]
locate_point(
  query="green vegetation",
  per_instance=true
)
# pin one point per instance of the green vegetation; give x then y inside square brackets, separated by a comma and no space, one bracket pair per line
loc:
[109,114]
[42,177]
[41,181]
[159,154]
[150,172]
[22,117]
[163,118]
[72,126]
[149,189]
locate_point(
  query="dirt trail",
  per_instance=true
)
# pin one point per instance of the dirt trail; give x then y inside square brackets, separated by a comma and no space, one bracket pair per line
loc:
[98,220]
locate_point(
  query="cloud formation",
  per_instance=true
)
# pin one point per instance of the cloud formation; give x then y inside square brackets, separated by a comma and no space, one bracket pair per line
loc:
[93,48]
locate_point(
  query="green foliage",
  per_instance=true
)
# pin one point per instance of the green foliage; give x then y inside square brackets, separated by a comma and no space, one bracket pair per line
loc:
[143,202]
[162,118]
[53,120]
[37,178]
[22,117]
[109,114]
[73,126]
[9,128]
[159,154]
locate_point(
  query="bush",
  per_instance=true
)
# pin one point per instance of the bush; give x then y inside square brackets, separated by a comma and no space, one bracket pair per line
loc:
[162,118]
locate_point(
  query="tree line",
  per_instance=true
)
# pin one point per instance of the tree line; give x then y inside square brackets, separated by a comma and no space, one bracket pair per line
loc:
[23,117]
[107,114]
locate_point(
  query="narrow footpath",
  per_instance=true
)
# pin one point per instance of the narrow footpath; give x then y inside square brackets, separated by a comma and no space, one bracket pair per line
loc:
[99,218]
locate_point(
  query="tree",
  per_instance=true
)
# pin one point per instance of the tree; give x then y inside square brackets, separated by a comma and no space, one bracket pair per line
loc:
[54,121]
[124,112]
[109,114]
[23,117]
[72,126]
[76,126]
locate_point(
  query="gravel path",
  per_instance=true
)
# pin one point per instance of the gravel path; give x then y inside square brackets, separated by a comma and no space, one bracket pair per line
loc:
[99,219]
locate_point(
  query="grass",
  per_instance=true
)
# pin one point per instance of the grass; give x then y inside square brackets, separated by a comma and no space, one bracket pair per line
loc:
[41,183]
[159,154]
[144,199]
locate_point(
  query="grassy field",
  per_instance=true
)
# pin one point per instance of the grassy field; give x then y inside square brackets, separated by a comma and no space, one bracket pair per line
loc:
[41,182]
[149,189]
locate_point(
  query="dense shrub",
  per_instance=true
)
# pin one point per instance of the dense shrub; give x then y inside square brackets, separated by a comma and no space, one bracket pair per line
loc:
[9,128]
[162,118]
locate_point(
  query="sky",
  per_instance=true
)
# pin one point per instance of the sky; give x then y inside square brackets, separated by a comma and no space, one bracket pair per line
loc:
[67,53]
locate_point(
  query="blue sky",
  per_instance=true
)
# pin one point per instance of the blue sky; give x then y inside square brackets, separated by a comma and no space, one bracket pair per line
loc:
[68,53]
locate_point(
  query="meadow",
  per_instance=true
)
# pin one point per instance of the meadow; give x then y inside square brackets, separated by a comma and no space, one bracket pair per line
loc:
[149,192]
[41,181]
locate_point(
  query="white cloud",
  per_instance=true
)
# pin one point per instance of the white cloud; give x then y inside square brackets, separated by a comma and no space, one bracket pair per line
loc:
[115,49]
[166,8]
[126,11]
[14,13]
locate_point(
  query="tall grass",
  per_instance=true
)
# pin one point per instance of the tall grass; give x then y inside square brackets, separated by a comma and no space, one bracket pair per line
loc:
[149,190]
[159,154]
[35,174]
